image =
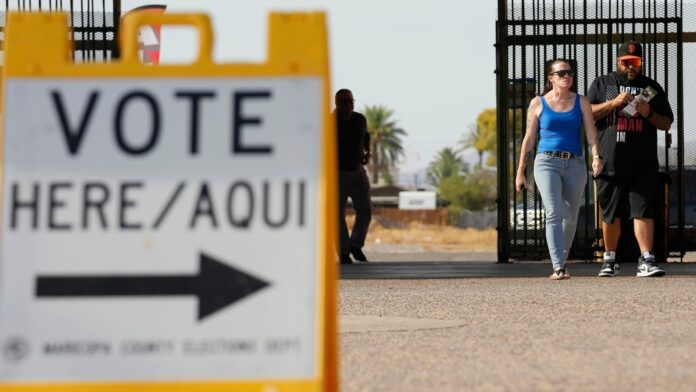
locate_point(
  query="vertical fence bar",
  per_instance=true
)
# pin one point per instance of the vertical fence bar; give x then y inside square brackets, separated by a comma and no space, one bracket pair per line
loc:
[610,41]
[564,45]
[103,31]
[72,26]
[82,29]
[680,138]
[538,240]
[584,92]
[555,32]
[512,78]
[633,16]
[620,8]
[90,31]
[115,50]
[514,124]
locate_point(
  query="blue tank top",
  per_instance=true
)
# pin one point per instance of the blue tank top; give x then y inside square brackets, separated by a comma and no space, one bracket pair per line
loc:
[560,131]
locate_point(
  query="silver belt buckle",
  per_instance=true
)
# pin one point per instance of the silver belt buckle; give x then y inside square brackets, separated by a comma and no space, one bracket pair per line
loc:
[566,155]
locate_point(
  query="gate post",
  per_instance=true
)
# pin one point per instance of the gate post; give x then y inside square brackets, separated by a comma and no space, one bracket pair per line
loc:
[501,70]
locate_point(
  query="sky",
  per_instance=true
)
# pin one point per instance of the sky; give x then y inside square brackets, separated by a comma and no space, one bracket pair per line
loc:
[431,62]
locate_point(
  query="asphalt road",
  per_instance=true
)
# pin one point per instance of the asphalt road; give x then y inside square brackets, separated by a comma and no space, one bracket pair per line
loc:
[518,333]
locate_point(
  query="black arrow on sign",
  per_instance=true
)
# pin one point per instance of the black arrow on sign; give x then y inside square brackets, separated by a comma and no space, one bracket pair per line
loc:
[216,286]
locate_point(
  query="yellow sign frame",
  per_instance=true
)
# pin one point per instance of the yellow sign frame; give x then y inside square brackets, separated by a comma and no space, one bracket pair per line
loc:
[36,46]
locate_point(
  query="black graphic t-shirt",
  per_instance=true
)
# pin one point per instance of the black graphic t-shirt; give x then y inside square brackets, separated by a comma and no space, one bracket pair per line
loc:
[627,144]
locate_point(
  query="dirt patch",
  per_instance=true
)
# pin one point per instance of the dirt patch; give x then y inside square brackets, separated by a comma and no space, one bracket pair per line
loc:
[431,237]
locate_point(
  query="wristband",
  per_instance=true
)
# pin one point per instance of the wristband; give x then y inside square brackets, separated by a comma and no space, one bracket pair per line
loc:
[650,115]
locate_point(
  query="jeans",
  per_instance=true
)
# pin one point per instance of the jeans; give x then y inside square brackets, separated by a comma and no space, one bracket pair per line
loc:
[356,185]
[560,183]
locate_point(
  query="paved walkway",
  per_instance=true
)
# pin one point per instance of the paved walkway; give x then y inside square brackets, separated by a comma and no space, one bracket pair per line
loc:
[515,330]
[459,269]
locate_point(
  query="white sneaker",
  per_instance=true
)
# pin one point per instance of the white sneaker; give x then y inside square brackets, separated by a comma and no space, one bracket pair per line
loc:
[648,268]
[610,267]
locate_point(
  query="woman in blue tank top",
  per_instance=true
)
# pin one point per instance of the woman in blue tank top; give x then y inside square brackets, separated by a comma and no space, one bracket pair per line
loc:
[560,172]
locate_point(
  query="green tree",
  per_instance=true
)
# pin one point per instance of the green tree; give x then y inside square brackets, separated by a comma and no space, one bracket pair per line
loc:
[476,191]
[479,191]
[488,120]
[388,178]
[385,139]
[448,162]
[516,126]
[451,190]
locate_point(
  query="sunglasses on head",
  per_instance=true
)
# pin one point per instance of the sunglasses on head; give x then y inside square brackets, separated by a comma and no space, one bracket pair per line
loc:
[631,62]
[562,73]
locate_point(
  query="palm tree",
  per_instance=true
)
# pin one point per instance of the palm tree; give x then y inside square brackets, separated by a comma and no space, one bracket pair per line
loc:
[385,139]
[482,135]
[448,162]
[475,139]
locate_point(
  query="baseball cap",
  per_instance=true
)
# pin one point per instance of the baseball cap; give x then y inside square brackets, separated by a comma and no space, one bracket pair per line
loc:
[630,50]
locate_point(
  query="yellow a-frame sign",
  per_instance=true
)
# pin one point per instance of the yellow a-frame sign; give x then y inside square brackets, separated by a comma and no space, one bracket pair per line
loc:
[167,228]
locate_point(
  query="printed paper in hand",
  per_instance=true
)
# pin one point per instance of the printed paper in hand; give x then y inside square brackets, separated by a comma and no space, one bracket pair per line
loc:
[645,96]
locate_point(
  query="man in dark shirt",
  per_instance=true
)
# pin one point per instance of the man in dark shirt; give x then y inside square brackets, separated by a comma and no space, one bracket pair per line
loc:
[353,153]
[628,145]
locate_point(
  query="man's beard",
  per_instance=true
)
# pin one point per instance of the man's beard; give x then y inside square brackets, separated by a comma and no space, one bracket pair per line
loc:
[623,77]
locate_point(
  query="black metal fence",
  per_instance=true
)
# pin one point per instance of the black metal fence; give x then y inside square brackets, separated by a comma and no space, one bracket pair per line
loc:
[94,24]
[530,32]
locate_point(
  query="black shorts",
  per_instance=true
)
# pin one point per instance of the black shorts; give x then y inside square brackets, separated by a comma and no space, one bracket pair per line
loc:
[624,198]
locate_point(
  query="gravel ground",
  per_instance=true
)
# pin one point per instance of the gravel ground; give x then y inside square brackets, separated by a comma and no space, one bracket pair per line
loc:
[518,334]
[400,252]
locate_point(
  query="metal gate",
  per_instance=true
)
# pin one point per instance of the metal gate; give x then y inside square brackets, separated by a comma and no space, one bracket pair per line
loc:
[588,33]
[94,24]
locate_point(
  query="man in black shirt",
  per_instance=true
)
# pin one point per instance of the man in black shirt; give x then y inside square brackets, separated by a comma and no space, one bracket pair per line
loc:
[353,153]
[628,144]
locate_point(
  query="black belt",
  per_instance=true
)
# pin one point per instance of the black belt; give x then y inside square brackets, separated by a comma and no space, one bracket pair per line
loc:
[560,154]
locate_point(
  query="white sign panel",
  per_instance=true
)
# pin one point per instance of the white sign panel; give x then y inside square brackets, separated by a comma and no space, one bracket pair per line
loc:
[417,200]
[160,229]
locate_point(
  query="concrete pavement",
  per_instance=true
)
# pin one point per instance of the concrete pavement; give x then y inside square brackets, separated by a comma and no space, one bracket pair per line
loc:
[458,269]
[515,330]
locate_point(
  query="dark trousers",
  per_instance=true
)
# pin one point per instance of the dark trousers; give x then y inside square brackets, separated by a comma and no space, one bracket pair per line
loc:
[356,185]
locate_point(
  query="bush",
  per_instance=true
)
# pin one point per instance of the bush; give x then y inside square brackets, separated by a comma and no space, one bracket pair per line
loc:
[475,192]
